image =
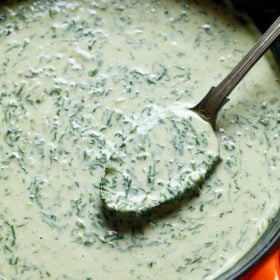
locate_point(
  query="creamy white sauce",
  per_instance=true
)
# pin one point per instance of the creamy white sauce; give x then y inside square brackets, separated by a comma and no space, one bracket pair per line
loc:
[74,77]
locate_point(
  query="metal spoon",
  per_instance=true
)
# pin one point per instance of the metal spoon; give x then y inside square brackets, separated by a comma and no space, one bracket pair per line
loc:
[144,174]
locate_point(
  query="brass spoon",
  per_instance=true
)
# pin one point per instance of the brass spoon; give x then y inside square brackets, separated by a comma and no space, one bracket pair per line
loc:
[144,174]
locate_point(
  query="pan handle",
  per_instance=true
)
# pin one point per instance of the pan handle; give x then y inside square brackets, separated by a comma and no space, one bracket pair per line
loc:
[269,269]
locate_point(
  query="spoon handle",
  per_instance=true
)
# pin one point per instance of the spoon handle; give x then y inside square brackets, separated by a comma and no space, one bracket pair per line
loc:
[210,105]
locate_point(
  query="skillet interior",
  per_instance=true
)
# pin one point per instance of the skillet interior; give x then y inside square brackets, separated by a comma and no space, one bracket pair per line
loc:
[270,235]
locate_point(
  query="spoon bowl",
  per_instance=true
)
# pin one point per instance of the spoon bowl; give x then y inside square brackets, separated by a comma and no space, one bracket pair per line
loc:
[164,158]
